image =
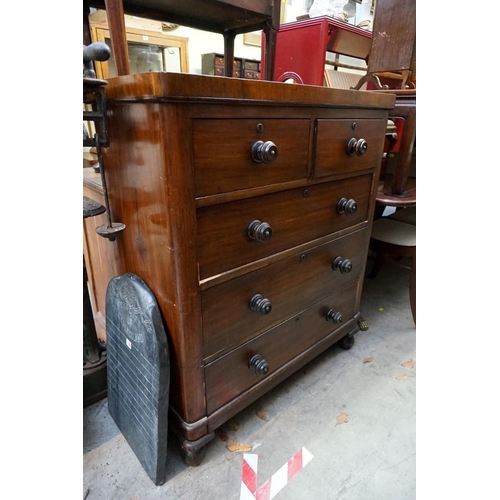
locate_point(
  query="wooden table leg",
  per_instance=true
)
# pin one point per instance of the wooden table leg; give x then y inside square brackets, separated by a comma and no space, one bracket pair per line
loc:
[228,54]
[116,22]
[405,150]
[270,52]
[87,39]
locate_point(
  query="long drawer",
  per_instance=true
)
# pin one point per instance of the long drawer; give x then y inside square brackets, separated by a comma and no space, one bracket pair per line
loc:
[230,375]
[223,153]
[237,233]
[347,145]
[240,309]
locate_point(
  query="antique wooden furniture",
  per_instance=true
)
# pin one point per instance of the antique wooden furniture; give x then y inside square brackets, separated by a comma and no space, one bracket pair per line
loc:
[213,64]
[228,17]
[302,46]
[248,208]
[392,59]
[397,185]
[101,255]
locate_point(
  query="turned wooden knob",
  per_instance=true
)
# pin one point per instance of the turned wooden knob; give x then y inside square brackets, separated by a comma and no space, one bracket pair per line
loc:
[347,207]
[334,317]
[264,152]
[258,365]
[342,265]
[260,231]
[260,305]
[356,146]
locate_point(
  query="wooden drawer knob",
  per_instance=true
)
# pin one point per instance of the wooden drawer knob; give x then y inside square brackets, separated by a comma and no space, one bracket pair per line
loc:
[334,317]
[342,265]
[258,365]
[264,152]
[260,305]
[260,231]
[357,147]
[347,207]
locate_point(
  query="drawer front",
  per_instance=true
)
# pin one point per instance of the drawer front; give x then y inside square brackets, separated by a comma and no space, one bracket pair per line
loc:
[230,375]
[340,145]
[253,66]
[238,310]
[295,216]
[223,153]
[220,71]
[252,75]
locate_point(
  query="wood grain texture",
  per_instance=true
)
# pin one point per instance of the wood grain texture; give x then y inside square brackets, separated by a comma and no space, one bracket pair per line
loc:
[296,216]
[394,34]
[223,160]
[178,86]
[332,140]
[154,196]
[101,255]
[230,375]
[170,181]
[290,284]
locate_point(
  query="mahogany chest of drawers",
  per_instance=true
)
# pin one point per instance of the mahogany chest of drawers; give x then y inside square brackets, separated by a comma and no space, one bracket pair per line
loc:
[248,208]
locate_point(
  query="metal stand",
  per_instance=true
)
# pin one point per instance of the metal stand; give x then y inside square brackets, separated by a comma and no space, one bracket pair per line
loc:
[94,354]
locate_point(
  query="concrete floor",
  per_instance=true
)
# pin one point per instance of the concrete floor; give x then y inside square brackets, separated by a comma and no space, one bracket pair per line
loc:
[371,456]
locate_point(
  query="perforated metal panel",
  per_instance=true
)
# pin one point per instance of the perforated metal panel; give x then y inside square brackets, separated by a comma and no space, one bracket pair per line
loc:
[138,371]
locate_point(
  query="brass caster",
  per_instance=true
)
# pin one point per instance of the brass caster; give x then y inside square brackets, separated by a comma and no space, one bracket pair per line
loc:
[363,324]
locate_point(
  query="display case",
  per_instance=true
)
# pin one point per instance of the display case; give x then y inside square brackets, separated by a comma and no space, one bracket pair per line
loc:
[148,51]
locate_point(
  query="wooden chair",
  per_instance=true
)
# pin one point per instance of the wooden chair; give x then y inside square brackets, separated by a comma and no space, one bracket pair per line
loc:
[396,235]
[392,59]
[228,17]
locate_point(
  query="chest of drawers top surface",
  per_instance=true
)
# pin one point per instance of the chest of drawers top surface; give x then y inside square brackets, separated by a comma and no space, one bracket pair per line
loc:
[163,85]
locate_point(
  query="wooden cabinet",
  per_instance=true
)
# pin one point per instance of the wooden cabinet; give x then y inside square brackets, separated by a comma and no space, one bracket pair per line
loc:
[100,254]
[249,221]
[302,46]
[213,64]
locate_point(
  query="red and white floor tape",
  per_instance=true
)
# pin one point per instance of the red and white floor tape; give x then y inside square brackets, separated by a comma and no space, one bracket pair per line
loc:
[276,482]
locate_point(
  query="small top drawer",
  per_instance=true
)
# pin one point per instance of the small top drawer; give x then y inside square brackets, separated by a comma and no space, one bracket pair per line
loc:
[238,154]
[348,145]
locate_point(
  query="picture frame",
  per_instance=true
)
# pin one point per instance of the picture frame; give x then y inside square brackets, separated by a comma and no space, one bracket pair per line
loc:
[253,38]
